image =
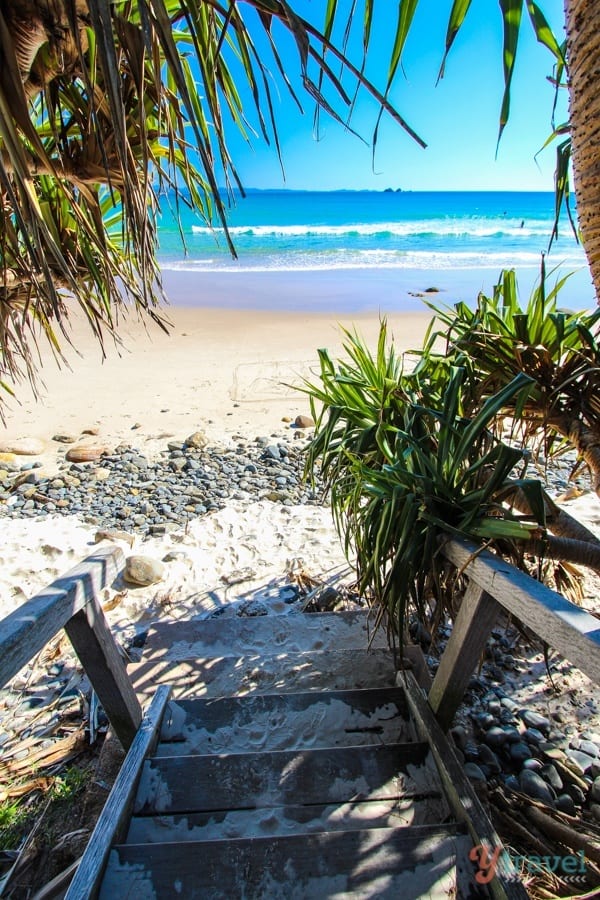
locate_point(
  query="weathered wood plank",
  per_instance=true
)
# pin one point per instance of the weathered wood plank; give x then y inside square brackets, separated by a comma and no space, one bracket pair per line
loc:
[265,635]
[29,628]
[463,801]
[336,670]
[564,626]
[95,646]
[285,820]
[476,617]
[252,780]
[381,863]
[113,820]
[285,722]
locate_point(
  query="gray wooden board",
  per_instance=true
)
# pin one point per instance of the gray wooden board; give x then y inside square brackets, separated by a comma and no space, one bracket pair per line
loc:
[28,628]
[378,863]
[265,635]
[336,670]
[563,625]
[93,641]
[285,722]
[476,617]
[251,780]
[461,796]
[285,820]
[112,823]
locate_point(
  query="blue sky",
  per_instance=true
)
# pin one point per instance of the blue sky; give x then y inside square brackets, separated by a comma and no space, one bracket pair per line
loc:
[458,118]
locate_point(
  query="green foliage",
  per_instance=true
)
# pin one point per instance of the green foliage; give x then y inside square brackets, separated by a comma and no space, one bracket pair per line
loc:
[108,109]
[559,350]
[404,464]
[13,816]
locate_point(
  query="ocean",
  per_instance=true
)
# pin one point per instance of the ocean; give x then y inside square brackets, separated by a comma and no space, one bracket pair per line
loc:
[401,241]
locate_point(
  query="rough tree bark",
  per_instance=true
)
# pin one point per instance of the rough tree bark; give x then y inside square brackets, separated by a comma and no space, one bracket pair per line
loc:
[582,19]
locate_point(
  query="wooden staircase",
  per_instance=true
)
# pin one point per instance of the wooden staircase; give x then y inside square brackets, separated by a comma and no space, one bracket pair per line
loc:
[265,771]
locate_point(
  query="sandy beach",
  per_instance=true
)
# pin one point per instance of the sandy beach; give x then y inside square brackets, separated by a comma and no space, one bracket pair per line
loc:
[223,371]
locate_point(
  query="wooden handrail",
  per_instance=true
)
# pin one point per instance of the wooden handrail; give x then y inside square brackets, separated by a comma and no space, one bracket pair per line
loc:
[494,583]
[71,602]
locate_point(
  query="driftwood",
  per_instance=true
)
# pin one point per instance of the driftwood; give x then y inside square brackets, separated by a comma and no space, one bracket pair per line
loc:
[565,834]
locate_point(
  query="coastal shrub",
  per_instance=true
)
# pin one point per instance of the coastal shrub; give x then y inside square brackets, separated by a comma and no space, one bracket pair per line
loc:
[443,448]
[559,350]
[404,464]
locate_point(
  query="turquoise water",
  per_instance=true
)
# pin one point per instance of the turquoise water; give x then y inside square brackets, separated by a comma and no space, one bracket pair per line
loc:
[367,251]
[306,231]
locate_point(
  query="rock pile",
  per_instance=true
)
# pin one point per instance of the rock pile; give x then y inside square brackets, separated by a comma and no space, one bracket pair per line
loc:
[125,490]
[536,743]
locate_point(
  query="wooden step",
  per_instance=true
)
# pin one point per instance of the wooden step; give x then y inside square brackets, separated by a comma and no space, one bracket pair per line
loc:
[285,722]
[265,635]
[336,670]
[174,784]
[379,863]
[279,821]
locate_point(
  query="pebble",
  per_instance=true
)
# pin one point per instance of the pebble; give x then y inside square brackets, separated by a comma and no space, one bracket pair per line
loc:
[496,737]
[519,751]
[565,804]
[198,440]
[595,790]
[549,774]
[534,786]
[24,447]
[304,422]
[581,762]
[474,772]
[533,719]
[143,570]
[83,453]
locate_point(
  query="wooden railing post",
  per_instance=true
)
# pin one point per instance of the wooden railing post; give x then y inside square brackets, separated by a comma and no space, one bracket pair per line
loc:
[99,655]
[476,617]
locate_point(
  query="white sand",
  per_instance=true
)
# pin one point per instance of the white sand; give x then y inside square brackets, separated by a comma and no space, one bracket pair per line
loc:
[219,371]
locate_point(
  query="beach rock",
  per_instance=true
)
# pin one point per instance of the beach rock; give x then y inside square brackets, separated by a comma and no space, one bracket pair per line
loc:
[595,790]
[519,752]
[585,746]
[565,804]
[114,535]
[474,773]
[64,438]
[496,737]
[197,440]
[84,453]
[535,786]
[143,570]
[304,422]
[533,719]
[94,431]
[550,774]
[580,762]
[23,447]
[490,760]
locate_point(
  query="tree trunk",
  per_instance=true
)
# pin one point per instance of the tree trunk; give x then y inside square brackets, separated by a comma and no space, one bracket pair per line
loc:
[558,520]
[580,553]
[582,19]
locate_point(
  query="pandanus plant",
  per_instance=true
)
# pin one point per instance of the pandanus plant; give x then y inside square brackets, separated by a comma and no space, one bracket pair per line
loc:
[559,350]
[409,457]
